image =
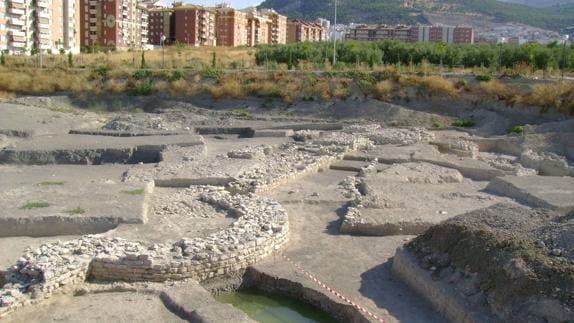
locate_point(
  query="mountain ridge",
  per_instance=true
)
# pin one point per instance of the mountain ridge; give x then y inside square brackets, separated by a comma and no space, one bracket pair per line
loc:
[393,12]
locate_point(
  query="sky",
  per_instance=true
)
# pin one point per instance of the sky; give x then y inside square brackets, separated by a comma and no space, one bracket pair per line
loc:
[234,3]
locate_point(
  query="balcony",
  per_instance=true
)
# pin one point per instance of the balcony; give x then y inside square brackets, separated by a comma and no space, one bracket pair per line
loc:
[16,11]
[44,36]
[44,26]
[15,38]
[93,11]
[17,1]
[16,22]
[17,44]
[93,28]
[43,14]
[42,4]
[17,33]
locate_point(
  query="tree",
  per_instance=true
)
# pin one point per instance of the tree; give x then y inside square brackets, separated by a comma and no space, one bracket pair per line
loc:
[542,59]
[143,65]
[70,60]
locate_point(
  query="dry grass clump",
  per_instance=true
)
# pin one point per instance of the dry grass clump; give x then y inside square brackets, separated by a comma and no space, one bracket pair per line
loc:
[115,86]
[7,95]
[227,88]
[496,89]
[265,89]
[433,85]
[559,97]
[42,81]
[340,88]
[384,90]
[320,89]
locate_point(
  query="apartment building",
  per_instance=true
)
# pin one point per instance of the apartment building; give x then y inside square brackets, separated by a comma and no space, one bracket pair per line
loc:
[119,24]
[47,25]
[161,24]
[446,34]
[231,26]
[259,28]
[304,31]
[277,33]
[194,25]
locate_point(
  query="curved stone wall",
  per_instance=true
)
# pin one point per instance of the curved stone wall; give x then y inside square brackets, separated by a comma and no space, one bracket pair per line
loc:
[261,227]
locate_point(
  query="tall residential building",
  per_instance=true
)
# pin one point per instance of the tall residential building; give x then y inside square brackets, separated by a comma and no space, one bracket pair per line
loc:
[120,24]
[277,33]
[259,28]
[194,25]
[47,25]
[161,23]
[231,27]
[446,34]
[304,31]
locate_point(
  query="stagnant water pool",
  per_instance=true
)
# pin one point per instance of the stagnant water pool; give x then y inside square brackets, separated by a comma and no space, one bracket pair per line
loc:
[269,308]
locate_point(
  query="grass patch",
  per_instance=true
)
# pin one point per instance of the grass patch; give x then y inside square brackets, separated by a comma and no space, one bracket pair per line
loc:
[34,205]
[483,78]
[519,130]
[241,113]
[51,183]
[462,123]
[139,191]
[75,211]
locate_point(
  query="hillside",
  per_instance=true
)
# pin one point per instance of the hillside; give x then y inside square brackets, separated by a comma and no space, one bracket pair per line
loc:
[392,12]
[540,3]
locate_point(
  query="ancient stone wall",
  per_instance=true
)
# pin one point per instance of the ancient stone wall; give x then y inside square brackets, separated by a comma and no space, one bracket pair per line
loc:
[261,227]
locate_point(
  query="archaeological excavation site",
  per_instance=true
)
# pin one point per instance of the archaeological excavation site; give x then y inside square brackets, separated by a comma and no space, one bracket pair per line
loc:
[357,211]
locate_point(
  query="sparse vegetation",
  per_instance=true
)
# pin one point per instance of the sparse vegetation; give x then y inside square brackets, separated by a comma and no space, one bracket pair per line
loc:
[34,205]
[463,123]
[75,211]
[483,78]
[51,183]
[519,130]
[139,191]
[241,113]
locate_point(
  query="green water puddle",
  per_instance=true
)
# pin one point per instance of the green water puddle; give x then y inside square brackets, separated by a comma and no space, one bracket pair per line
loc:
[270,308]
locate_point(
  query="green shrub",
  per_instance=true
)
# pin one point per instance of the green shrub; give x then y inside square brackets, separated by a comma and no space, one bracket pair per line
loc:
[483,78]
[177,75]
[463,123]
[141,74]
[461,84]
[143,88]
[519,130]
[212,73]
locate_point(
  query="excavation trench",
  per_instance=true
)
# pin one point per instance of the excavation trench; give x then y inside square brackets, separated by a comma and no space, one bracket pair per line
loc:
[140,154]
[256,292]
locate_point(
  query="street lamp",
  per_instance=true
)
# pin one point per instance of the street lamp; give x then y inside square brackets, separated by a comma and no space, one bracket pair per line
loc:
[162,41]
[501,41]
[335,36]
[564,40]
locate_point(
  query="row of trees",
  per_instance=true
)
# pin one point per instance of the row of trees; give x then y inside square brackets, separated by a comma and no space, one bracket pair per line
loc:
[538,56]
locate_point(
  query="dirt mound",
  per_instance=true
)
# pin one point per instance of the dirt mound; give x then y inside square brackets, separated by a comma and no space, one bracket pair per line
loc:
[516,261]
